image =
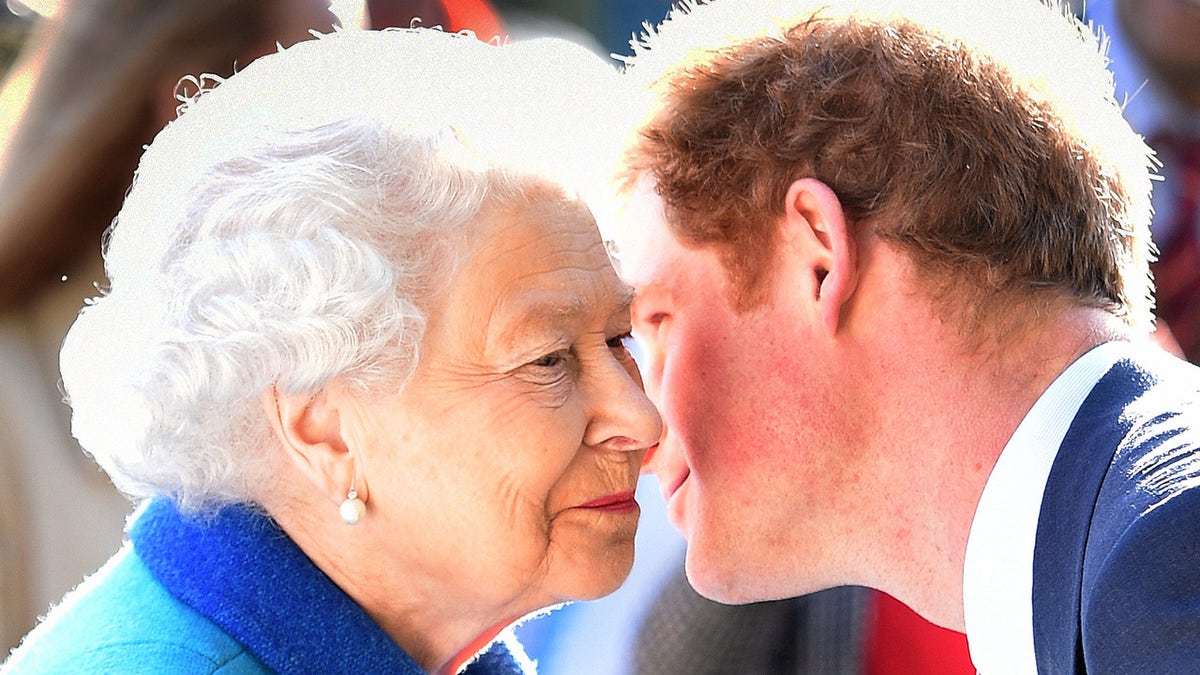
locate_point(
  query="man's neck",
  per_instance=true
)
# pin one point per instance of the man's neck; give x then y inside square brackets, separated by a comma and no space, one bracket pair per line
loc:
[948,417]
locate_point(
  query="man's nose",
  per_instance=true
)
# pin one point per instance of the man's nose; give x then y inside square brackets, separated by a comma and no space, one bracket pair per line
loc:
[653,454]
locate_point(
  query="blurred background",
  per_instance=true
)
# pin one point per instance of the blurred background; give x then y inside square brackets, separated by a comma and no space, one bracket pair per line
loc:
[85,84]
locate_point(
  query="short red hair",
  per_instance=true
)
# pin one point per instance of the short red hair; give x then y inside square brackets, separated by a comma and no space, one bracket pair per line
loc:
[988,185]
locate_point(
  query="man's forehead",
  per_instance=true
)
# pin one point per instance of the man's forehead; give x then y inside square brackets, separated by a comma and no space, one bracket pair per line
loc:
[643,235]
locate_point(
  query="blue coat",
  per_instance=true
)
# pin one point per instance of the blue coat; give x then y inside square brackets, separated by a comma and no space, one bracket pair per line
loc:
[1116,568]
[228,594]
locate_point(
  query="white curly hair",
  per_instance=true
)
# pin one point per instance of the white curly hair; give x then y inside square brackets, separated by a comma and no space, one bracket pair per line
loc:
[290,227]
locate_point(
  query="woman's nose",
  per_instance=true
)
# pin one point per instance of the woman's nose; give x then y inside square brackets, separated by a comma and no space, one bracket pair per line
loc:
[622,415]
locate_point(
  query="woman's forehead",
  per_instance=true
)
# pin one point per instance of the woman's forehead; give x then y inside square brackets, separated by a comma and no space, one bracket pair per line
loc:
[535,262]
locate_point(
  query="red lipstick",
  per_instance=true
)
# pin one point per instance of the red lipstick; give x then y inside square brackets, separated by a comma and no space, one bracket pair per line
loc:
[621,501]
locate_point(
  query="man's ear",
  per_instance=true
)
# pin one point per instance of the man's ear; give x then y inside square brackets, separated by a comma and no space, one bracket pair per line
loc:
[815,224]
[308,428]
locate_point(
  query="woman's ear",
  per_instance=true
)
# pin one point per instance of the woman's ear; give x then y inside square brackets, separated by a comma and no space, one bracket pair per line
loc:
[816,226]
[309,430]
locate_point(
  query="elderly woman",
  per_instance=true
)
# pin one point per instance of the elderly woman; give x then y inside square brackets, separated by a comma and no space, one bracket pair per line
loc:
[362,357]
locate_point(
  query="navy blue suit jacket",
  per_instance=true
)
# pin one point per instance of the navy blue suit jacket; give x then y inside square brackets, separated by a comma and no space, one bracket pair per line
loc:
[1116,567]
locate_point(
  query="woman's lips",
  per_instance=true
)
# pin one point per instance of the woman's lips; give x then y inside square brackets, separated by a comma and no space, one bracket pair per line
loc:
[620,501]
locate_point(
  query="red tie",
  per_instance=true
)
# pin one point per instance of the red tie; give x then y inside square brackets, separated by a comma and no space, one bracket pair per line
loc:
[1177,272]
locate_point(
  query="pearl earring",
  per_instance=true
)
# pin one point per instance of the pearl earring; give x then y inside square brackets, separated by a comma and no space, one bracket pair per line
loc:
[352,509]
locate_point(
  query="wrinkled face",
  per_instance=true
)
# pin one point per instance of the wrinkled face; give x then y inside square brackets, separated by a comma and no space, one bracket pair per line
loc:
[507,467]
[740,462]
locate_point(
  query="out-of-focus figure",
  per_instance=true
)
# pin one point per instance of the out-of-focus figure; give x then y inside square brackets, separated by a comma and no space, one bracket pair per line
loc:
[1155,58]
[477,16]
[103,76]
[95,81]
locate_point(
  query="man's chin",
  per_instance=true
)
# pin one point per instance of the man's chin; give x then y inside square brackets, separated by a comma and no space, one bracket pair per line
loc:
[716,580]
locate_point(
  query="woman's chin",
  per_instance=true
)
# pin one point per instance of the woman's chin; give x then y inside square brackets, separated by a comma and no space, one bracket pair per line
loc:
[604,576]
[600,590]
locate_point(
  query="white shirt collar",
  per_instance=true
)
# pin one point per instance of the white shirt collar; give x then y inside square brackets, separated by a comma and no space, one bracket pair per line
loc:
[998,569]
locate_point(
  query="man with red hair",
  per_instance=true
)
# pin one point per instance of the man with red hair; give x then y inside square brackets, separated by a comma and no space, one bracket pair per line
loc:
[891,271]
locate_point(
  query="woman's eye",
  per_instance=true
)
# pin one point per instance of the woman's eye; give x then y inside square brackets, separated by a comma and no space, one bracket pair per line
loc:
[620,341]
[552,360]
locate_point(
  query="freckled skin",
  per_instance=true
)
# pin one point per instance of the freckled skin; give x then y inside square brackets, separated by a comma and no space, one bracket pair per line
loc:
[747,483]
[517,415]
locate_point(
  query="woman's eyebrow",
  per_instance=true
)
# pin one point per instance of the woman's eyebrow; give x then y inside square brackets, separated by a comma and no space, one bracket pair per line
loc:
[535,311]
[529,314]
